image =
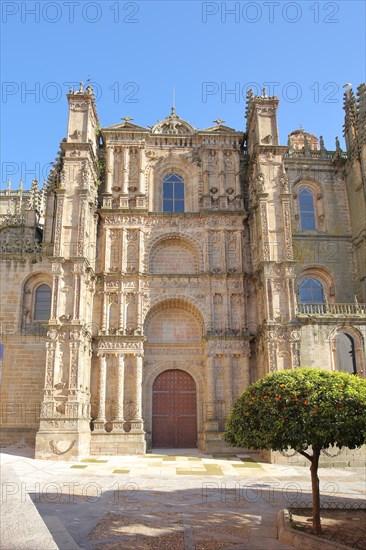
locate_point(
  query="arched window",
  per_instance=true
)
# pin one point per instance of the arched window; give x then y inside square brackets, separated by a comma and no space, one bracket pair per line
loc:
[311,291]
[346,357]
[173,193]
[307,209]
[42,303]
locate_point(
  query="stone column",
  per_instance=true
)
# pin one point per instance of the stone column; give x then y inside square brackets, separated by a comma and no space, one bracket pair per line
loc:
[107,249]
[77,295]
[228,380]
[139,313]
[109,170]
[211,416]
[126,171]
[237,173]
[205,180]
[141,244]
[102,380]
[142,163]
[206,190]
[54,298]
[121,311]
[137,423]
[221,175]
[119,420]
[226,307]
[269,299]
[104,298]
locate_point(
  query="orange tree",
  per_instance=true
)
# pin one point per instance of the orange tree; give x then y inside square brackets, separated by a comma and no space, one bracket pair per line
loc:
[304,409]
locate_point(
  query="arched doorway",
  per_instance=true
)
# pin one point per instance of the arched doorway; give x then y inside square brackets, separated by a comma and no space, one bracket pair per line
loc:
[174,410]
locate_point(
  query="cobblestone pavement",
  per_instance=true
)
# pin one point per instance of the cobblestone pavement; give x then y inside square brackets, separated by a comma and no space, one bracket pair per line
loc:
[171,499]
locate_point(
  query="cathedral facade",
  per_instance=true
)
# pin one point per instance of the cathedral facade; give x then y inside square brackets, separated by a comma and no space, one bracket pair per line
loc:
[162,270]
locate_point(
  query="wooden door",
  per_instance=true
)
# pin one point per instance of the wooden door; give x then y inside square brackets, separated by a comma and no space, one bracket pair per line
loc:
[174,417]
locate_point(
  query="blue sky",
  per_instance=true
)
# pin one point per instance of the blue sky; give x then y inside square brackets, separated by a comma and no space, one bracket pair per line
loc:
[136,53]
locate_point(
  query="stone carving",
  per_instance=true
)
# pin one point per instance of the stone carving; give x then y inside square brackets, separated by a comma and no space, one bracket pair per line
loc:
[75,136]
[164,352]
[260,183]
[218,221]
[265,241]
[120,345]
[282,179]
[79,105]
[22,245]
[74,364]
[287,230]
[61,447]
[173,125]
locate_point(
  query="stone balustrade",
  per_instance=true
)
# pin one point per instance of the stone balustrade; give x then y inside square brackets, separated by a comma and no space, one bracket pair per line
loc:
[331,309]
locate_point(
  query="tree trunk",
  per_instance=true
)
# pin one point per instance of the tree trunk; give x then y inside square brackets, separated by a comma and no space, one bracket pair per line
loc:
[317,529]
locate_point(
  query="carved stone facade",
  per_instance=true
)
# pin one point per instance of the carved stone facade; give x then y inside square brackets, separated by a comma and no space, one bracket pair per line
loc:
[170,248]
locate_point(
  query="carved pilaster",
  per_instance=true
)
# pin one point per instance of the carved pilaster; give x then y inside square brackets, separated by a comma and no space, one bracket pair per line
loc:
[126,170]
[109,169]
[102,379]
[107,250]
[121,312]
[77,296]
[50,364]
[288,252]
[104,299]
[206,190]
[221,172]
[74,365]
[58,224]
[264,229]
[142,163]
[55,295]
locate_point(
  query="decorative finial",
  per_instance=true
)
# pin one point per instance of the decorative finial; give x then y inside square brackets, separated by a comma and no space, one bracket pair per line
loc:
[348,85]
[127,118]
[264,92]
[173,104]
[218,121]
[81,85]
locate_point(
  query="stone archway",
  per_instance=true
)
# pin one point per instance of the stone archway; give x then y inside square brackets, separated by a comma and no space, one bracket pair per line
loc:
[174,410]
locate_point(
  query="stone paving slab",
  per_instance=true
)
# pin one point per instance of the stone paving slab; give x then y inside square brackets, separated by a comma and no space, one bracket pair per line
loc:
[177,499]
[22,527]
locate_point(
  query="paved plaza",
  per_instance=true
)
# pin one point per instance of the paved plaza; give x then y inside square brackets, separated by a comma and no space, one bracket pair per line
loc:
[169,499]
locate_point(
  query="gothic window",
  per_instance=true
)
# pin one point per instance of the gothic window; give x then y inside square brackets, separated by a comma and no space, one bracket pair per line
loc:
[311,291]
[42,303]
[345,350]
[307,209]
[173,193]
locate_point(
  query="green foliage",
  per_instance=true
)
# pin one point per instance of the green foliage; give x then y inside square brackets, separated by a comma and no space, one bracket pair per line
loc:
[300,408]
